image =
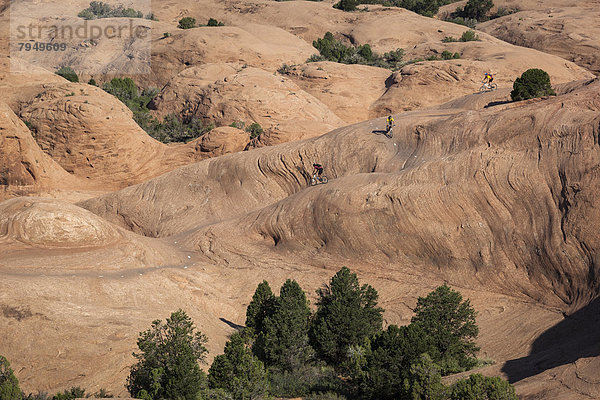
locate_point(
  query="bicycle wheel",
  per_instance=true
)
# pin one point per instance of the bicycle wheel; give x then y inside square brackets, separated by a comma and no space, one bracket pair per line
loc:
[324,179]
[493,86]
[483,89]
[313,181]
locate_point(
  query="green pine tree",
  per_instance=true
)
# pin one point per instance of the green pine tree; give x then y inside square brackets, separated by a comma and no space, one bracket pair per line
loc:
[284,337]
[9,384]
[167,364]
[450,322]
[347,314]
[238,371]
[261,306]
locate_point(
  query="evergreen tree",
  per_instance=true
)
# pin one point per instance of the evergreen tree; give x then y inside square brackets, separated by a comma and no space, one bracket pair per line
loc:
[347,314]
[167,364]
[426,381]
[9,384]
[450,322]
[261,306]
[284,337]
[478,387]
[531,84]
[392,353]
[238,371]
[477,9]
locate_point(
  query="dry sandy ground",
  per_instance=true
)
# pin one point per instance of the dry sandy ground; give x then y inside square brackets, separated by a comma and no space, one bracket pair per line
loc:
[497,199]
[499,211]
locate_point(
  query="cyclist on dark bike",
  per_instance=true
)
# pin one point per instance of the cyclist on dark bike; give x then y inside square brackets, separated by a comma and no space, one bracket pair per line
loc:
[318,169]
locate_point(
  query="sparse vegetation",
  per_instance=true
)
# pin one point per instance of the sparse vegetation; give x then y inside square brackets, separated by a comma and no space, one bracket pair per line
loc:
[99,9]
[168,362]
[172,128]
[254,129]
[214,22]
[331,49]
[68,73]
[187,23]
[166,35]
[531,84]
[469,36]
[92,82]
[9,384]
[346,5]
[477,10]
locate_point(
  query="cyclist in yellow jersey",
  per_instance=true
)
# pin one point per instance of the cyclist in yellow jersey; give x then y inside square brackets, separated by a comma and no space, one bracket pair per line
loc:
[390,123]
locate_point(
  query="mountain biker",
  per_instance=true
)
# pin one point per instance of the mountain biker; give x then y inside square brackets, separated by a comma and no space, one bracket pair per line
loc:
[488,78]
[390,123]
[318,169]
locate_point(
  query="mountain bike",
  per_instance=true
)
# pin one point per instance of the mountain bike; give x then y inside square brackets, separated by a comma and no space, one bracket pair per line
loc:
[315,180]
[488,87]
[388,130]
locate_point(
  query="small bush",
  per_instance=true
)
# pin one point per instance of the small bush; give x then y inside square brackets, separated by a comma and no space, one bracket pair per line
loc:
[477,9]
[214,22]
[305,381]
[447,55]
[469,22]
[187,23]
[68,73]
[533,83]
[99,9]
[469,36]
[92,82]
[74,393]
[9,384]
[166,35]
[346,5]
[449,39]
[254,129]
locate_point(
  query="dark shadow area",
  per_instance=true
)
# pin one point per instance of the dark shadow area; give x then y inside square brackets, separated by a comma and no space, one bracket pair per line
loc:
[576,336]
[497,103]
[232,324]
[380,132]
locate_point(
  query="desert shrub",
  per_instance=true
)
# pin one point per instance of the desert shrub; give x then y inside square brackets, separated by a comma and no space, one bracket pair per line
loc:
[477,9]
[167,364]
[331,49]
[166,35]
[238,371]
[502,11]
[478,386]
[347,314]
[346,5]
[449,39]
[214,22]
[469,22]
[284,69]
[99,9]
[74,393]
[450,323]
[531,84]
[469,36]
[447,55]
[310,379]
[187,23]
[68,73]
[9,384]
[254,129]
[92,82]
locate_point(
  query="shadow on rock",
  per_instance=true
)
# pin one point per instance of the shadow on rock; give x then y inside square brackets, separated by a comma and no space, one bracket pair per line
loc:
[576,336]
